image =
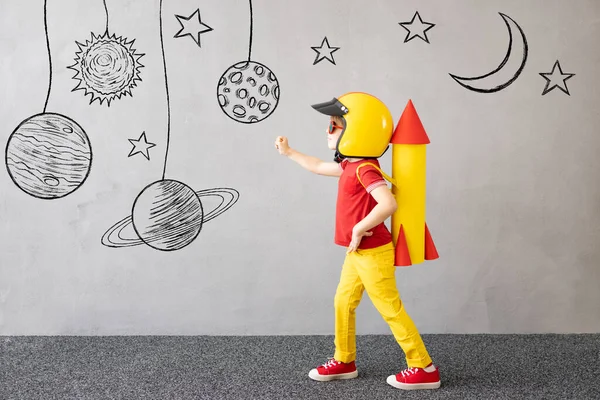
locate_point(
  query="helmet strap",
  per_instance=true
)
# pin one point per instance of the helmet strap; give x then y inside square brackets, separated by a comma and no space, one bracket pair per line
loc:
[338,158]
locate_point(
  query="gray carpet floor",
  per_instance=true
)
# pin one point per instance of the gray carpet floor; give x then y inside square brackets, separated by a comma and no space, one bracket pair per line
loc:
[276,367]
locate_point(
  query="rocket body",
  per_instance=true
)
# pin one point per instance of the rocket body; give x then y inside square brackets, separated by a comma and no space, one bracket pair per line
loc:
[410,233]
[408,170]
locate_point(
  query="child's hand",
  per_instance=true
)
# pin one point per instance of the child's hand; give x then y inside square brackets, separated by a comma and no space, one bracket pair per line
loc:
[281,144]
[357,236]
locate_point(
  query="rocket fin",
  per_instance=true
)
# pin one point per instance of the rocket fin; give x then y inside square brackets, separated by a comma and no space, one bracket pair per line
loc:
[430,250]
[402,253]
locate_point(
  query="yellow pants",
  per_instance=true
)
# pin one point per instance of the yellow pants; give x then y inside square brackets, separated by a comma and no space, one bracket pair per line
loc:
[373,270]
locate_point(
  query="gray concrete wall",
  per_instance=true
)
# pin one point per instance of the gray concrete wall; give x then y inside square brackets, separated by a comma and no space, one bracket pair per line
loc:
[513,189]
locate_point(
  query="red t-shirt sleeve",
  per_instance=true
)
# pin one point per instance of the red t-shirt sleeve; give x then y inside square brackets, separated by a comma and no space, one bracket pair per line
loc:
[371,178]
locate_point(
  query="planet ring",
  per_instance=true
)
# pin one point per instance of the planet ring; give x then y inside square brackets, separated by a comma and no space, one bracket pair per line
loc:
[113,238]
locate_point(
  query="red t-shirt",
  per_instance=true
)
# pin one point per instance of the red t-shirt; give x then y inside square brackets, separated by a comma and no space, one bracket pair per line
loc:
[354,203]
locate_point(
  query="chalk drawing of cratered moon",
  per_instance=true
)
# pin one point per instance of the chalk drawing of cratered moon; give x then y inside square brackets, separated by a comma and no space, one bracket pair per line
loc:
[248,92]
[48,156]
[168,215]
[509,69]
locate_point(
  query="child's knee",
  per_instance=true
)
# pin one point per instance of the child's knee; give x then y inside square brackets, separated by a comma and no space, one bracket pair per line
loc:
[389,305]
[345,301]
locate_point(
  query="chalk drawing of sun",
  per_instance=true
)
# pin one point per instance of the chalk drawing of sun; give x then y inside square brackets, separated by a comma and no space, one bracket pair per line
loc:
[107,67]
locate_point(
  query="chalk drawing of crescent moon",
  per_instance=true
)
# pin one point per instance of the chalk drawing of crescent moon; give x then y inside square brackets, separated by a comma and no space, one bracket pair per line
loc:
[509,69]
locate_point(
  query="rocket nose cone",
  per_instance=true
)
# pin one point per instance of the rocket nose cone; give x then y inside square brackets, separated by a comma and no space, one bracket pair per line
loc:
[409,129]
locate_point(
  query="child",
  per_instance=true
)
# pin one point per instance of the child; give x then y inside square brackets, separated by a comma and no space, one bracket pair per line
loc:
[360,130]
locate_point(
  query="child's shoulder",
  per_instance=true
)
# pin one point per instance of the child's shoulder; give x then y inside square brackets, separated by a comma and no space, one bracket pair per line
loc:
[364,164]
[368,165]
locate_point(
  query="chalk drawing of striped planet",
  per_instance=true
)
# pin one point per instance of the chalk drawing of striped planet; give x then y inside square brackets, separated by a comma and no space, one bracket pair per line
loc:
[168,215]
[48,156]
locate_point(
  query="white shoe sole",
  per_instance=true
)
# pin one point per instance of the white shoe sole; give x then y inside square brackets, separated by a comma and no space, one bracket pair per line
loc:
[314,374]
[392,381]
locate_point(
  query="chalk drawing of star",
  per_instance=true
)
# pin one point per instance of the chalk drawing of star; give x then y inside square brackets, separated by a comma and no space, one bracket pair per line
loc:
[416,28]
[192,27]
[556,79]
[141,146]
[325,51]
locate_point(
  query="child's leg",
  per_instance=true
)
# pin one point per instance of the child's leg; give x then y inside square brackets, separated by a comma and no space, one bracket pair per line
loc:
[377,272]
[347,298]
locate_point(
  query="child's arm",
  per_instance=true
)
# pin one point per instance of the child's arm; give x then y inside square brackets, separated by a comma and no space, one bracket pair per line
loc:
[312,164]
[386,206]
[315,165]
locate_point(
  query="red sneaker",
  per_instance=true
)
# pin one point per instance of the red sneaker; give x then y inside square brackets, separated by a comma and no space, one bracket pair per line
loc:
[333,369]
[416,378]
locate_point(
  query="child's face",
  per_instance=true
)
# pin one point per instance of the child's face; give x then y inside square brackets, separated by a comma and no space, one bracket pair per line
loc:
[333,133]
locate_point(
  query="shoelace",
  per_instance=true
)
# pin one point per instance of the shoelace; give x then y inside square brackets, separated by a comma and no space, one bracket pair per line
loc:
[409,371]
[331,363]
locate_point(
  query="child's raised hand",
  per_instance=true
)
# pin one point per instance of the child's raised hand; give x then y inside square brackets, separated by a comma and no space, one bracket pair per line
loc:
[281,144]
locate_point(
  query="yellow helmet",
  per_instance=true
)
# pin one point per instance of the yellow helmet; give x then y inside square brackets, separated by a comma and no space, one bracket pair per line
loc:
[368,124]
